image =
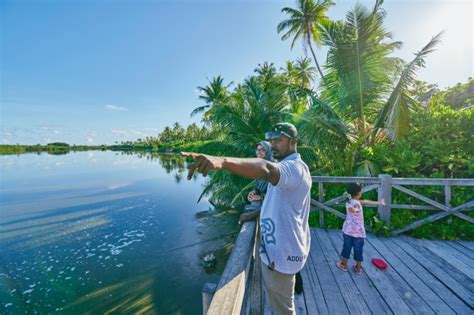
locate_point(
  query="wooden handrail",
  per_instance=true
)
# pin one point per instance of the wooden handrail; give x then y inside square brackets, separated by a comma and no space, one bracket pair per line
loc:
[385,185]
[230,291]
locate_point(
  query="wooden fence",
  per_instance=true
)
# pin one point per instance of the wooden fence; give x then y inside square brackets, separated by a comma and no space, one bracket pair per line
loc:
[239,289]
[385,185]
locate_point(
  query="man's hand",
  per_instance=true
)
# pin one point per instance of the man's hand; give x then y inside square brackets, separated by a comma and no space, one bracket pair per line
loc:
[203,163]
[253,196]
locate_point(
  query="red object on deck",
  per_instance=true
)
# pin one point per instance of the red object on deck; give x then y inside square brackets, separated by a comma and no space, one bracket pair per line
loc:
[379,263]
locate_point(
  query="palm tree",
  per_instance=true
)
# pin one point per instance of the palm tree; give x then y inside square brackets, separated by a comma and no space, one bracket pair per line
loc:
[304,22]
[358,63]
[213,94]
[304,72]
[365,95]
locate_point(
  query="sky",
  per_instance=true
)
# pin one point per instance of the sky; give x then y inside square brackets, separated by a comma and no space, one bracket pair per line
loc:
[96,71]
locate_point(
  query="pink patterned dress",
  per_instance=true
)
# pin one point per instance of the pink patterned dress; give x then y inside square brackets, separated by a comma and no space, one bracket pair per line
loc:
[354,223]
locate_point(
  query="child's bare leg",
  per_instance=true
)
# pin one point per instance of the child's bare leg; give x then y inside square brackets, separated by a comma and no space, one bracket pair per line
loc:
[344,261]
[358,264]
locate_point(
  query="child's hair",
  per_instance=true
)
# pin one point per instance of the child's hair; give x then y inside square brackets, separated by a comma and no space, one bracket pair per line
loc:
[352,189]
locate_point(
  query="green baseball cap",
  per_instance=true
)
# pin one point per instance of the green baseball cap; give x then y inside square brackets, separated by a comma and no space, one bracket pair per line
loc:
[286,129]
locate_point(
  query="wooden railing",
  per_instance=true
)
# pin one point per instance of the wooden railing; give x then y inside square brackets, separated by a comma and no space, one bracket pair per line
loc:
[239,289]
[228,297]
[385,184]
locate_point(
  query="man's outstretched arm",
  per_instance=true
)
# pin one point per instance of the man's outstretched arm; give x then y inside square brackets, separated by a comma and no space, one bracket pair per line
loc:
[247,167]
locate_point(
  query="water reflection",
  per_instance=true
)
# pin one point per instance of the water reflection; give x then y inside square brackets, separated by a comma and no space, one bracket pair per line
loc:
[106,232]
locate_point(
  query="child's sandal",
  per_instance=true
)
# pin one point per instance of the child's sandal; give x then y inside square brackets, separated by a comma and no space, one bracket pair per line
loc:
[341,266]
[357,270]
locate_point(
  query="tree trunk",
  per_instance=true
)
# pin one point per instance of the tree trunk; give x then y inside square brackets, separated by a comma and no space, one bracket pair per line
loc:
[315,60]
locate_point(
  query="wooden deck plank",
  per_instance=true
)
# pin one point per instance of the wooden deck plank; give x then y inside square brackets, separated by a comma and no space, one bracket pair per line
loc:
[425,292]
[349,291]
[379,278]
[448,256]
[431,281]
[314,298]
[443,261]
[300,305]
[411,297]
[466,251]
[370,294]
[451,251]
[468,245]
[332,294]
[423,258]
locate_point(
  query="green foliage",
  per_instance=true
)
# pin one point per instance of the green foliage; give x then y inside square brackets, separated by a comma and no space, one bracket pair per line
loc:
[457,97]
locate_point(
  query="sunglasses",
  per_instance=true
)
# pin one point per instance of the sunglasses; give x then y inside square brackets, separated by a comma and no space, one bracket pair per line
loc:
[275,135]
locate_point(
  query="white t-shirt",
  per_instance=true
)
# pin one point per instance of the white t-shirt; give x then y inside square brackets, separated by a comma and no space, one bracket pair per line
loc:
[285,234]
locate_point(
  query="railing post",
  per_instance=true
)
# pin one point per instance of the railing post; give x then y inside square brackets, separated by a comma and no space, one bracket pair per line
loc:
[447,200]
[207,293]
[321,211]
[385,192]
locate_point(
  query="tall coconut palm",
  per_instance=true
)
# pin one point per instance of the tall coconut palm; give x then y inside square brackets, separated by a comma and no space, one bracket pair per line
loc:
[304,23]
[213,94]
[359,64]
[359,104]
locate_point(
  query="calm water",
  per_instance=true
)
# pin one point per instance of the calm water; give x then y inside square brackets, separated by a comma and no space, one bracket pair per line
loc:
[105,231]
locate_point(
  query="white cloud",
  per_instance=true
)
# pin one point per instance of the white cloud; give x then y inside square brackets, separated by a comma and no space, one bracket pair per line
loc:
[115,108]
[127,133]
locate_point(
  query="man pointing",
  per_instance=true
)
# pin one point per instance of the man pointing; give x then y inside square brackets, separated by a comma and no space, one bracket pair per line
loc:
[285,234]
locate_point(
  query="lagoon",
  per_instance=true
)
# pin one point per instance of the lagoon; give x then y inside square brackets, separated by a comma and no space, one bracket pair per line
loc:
[106,231]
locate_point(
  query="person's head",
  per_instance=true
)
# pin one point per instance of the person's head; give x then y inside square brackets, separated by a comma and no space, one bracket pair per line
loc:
[283,138]
[264,150]
[354,190]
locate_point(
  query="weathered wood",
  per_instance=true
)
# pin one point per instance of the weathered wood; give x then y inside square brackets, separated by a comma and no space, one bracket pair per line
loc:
[469,245]
[396,180]
[300,305]
[435,266]
[351,294]
[343,179]
[433,181]
[342,199]
[453,260]
[385,193]
[453,252]
[413,207]
[255,296]
[372,297]
[432,202]
[231,287]
[447,196]
[400,267]
[427,277]
[328,209]
[467,252]
[433,218]
[321,198]
[207,292]
[315,302]
[331,292]
[378,277]
[410,296]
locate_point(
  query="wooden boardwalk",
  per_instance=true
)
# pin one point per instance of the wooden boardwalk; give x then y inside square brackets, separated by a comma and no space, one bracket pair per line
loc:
[423,277]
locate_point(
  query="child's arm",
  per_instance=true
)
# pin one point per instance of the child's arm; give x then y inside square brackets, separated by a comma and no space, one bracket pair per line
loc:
[372,203]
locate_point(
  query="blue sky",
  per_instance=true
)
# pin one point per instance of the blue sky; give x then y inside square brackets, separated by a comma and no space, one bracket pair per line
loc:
[93,72]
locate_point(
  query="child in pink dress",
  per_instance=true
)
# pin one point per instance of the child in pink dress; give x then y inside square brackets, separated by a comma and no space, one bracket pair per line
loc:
[353,228]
